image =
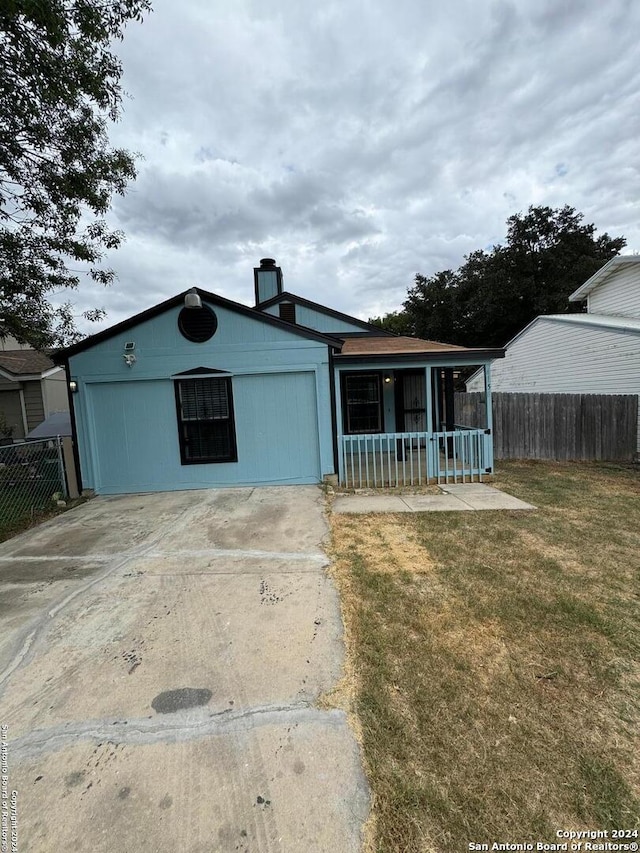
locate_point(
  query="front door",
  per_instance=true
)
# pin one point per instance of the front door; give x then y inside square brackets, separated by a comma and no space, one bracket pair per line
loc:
[414,417]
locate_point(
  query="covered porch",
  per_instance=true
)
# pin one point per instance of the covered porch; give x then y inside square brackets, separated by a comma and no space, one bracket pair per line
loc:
[397,422]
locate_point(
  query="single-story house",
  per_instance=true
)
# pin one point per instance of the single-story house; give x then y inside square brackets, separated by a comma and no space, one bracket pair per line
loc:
[597,352]
[200,391]
[32,387]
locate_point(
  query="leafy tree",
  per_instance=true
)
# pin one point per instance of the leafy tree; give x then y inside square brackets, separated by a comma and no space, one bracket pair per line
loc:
[395,322]
[59,88]
[547,255]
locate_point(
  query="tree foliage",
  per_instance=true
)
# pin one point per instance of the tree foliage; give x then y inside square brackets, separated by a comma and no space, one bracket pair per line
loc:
[59,89]
[547,255]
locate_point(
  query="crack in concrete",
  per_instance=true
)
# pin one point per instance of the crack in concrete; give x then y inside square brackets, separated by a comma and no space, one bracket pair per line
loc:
[154,555]
[170,728]
[251,555]
[31,632]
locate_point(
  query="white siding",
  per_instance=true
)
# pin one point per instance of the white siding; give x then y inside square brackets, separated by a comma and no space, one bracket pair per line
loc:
[558,357]
[619,294]
[9,343]
[54,392]
[476,380]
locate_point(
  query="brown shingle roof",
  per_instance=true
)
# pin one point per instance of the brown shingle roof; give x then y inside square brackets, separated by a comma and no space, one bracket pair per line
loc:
[394,346]
[21,362]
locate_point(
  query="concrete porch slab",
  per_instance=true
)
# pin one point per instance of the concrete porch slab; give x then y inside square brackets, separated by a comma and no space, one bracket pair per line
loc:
[455,498]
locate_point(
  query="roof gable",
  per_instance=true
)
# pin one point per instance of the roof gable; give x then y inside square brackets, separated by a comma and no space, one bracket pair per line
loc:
[603,274]
[286,296]
[211,298]
[604,321]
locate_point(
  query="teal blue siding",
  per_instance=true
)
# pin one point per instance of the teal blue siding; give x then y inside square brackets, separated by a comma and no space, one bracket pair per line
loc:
[317,320]
[135,430]
[127,421]
[288,448]
[267,284]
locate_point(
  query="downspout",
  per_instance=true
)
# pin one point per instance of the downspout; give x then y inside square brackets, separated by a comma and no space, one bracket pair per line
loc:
[23,410]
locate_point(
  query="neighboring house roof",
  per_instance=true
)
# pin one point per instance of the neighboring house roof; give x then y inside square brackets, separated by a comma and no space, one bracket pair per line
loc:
[603,321]
[285,296]
[19,363]
[603,273]
[62,355]
[600,321]
[372,347]
[58,423]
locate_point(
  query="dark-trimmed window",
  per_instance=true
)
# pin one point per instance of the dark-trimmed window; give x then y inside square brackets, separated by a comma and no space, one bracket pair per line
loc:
[205,420]
[362,403]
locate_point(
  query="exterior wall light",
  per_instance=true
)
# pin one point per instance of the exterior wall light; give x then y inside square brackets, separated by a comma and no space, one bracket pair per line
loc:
[192,299]
[73,386]
[129,355]
[387,379]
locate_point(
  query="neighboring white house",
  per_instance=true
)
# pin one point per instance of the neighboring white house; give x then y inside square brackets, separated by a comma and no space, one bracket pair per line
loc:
[593,353]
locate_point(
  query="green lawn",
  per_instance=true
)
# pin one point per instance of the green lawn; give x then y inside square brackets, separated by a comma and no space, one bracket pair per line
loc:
[494,661]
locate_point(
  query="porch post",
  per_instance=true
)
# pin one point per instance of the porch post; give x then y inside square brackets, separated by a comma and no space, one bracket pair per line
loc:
[338,395]
[429,418]
[449,400]
[489,418]
[429,398]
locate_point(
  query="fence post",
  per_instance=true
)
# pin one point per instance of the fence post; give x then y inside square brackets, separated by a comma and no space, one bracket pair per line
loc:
[488,405]
[69,466]
[61,475]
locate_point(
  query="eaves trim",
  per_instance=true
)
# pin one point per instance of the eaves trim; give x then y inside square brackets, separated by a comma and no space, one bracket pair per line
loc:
[451,355]
[601,275]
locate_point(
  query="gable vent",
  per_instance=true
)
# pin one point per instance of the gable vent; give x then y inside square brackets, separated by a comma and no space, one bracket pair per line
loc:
[288,312]
[198,325]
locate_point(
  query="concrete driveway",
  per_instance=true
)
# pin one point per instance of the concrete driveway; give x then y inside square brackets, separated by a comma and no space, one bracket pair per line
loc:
[161,656]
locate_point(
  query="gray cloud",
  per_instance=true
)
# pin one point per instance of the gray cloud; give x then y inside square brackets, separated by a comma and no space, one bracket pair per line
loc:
[359,143]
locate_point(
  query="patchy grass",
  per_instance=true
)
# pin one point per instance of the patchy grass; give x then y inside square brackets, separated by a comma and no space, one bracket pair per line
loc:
[494,661]
[32,516]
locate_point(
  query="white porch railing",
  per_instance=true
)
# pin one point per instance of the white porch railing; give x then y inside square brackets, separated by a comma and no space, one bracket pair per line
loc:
[413,458]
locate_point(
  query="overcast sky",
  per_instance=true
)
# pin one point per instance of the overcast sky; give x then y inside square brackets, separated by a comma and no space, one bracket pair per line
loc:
[361,142]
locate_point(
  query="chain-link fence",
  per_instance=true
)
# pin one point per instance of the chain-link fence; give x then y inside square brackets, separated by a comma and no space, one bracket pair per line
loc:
[31,474]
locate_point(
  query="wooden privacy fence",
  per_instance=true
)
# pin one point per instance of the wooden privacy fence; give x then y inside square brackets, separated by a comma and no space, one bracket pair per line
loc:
[556,426]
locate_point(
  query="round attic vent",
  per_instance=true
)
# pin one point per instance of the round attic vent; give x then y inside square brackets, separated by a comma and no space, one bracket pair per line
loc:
[197,324]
